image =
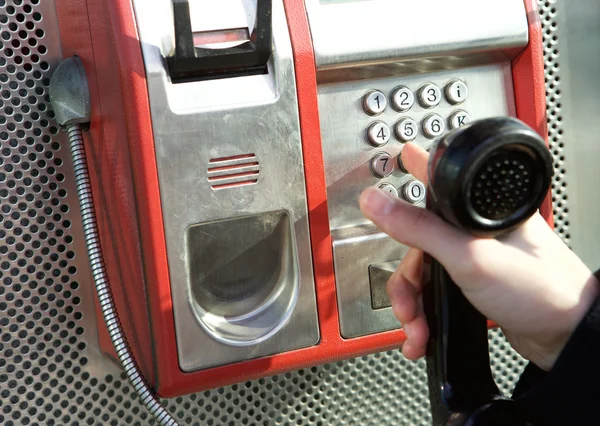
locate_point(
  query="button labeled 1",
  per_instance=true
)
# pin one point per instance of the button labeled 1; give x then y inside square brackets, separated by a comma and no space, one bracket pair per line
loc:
[458,119]
[413,191]
[374,102]
[456,92]
[382,165]
[433,126]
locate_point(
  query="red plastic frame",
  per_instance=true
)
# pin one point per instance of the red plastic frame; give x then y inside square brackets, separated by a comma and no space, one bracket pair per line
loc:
[122,159]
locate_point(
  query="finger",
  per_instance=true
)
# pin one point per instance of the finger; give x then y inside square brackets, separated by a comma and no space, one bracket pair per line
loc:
[412,267]
[404,286]
[414,226]
[414,160]
[417,335]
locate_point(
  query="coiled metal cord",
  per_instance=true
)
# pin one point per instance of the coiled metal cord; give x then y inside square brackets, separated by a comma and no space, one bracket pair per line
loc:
[107,305]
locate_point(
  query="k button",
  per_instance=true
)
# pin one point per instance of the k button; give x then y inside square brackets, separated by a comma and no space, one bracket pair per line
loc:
[459,119]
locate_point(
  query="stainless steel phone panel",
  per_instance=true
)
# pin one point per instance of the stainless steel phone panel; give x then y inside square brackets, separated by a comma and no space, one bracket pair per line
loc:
[357,33]
[348,154]
[232,182]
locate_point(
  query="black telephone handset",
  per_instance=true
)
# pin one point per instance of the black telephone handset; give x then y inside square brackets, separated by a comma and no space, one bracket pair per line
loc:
[487,178]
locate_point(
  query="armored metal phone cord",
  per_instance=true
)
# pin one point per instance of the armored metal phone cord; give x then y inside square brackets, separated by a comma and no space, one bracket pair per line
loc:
[107,305]
[70,100]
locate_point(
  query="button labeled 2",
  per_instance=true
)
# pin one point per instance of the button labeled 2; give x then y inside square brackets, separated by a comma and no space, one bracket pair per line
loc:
[382,165]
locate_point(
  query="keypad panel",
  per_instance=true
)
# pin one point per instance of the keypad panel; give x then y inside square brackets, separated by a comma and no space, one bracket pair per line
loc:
[405,117]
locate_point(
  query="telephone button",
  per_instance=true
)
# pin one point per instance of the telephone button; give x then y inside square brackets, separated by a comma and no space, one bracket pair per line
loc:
[433,126]
[413,191]
[430,95]
[374,102]
[459,119]
[391,189]
[402,99]
[382,165]
[378,134]
[406,130]
[456,92]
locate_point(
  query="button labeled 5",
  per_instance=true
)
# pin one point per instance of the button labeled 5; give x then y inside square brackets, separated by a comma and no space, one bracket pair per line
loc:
[382,165]
[406,130]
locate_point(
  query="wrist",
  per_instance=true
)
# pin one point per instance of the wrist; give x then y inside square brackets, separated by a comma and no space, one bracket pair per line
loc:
[548,352]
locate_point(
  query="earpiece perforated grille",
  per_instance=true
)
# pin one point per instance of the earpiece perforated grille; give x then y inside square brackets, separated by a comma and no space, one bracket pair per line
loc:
[50,371]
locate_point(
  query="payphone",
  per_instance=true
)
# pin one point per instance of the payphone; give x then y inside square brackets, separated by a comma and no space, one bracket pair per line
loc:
[226,164]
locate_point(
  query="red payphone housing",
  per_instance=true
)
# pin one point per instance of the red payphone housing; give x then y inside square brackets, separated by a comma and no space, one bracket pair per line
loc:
[130,198]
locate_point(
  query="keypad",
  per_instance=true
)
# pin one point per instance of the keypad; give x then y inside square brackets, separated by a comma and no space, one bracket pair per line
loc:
[405,113]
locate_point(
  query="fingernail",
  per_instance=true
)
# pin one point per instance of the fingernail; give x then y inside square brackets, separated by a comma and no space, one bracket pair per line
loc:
[378,202]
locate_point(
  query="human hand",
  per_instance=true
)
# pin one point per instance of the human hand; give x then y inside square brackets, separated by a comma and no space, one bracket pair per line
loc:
[528,281]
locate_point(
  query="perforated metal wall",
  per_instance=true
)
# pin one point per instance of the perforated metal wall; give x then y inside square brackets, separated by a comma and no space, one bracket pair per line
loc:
[50,368]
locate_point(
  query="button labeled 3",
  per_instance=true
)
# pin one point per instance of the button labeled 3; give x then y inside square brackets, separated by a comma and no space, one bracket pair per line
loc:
[433,126]
[406,130]
[413,191]
[378,133]
[382,165]
[402,99]
[374,102]
[430,95]
[458,119]
[456,92]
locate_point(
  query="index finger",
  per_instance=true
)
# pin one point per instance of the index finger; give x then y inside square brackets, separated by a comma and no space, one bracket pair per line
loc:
[414,159]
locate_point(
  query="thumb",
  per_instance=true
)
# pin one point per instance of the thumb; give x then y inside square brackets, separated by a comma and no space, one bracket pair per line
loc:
[414,226]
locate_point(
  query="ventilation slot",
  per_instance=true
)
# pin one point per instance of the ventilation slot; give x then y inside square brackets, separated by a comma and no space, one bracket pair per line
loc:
[231,172]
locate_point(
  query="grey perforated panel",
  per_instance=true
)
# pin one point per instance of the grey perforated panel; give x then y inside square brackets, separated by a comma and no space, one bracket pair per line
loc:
[50,368]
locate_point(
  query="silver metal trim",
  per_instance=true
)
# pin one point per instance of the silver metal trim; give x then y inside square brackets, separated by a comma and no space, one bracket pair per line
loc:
[360,33]
[200,123]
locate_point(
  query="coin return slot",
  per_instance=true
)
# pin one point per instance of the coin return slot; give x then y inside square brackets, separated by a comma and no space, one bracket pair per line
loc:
[244,276]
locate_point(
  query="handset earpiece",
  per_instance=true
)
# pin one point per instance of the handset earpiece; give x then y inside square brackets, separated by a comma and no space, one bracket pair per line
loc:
[486,178]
